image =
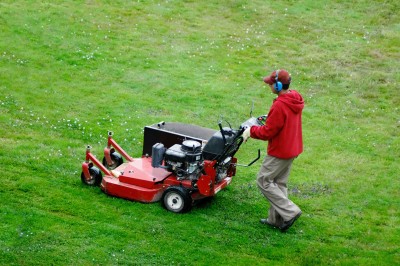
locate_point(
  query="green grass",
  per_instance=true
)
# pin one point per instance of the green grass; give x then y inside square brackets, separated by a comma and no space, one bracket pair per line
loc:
[71,70]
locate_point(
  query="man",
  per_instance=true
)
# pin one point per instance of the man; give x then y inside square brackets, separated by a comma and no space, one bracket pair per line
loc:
[283,131]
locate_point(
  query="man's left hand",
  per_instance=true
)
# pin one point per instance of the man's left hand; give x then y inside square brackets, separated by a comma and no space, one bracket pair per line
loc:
[246,134]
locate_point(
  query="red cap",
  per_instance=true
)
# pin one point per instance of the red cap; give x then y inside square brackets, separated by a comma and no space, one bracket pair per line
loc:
[283,77]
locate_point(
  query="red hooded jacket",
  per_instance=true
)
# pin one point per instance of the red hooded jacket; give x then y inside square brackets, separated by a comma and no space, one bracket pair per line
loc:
[283,129]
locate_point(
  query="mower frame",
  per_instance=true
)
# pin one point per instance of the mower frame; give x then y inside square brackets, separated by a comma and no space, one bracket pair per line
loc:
[137,179]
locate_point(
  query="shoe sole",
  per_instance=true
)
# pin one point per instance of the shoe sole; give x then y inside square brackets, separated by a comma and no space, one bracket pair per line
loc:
[283,229]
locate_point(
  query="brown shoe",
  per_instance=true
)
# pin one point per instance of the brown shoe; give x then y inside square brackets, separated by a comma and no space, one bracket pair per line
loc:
[286,225]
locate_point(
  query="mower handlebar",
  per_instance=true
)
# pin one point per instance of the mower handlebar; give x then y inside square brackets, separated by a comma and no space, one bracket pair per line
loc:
[255,160]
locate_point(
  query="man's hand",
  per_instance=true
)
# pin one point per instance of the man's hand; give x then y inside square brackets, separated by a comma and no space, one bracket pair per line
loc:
[246,134]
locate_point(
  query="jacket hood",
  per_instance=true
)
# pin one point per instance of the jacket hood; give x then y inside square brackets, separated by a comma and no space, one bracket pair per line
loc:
[293,100]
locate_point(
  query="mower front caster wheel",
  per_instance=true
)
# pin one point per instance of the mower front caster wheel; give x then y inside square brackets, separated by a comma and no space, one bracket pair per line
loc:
[177,199]
[95,177]
[116,159]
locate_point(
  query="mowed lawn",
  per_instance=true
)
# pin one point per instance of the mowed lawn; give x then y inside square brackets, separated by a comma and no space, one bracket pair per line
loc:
[72,70]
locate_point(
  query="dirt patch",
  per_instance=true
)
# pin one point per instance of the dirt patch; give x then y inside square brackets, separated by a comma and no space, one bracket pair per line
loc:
[309,190]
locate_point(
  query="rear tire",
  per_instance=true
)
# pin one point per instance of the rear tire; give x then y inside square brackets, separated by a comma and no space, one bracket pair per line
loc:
[95,177]
[116,159]
[177,199]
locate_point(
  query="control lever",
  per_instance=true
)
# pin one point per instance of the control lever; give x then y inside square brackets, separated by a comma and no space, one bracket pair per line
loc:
[222,132]
[255,160]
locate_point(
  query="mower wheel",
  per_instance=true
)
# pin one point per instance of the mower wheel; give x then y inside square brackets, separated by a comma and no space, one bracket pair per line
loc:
[116,159]
[95,177]
[177,199]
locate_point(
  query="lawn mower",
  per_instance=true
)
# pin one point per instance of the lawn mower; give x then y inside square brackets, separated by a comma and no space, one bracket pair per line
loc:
[180,164]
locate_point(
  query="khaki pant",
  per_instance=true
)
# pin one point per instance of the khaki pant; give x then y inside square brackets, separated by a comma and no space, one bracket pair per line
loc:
[272,181]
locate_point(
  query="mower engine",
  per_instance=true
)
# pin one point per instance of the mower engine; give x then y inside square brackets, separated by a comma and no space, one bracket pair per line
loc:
[185,160]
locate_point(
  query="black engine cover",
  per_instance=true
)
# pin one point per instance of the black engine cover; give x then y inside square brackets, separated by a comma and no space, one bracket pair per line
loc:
[188,152]
[175,154]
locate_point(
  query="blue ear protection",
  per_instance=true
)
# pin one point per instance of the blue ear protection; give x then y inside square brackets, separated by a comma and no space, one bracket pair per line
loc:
[278,85]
